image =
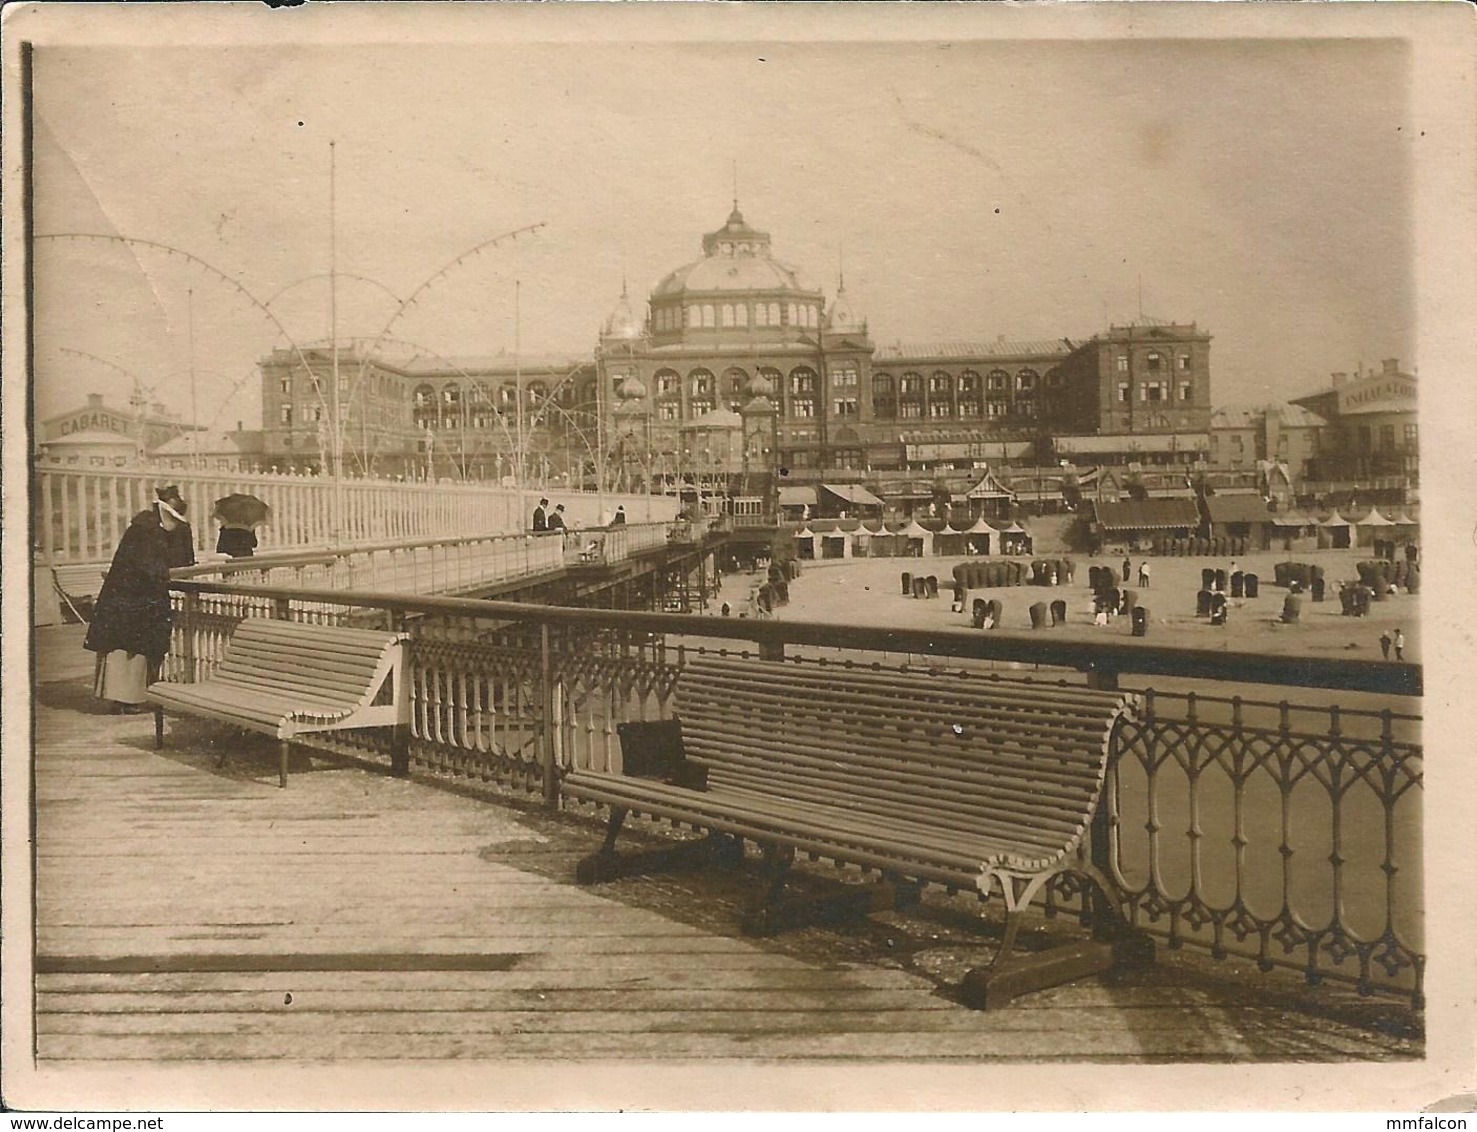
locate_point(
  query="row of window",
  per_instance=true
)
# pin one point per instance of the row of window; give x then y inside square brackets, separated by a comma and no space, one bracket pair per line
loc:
[912,383]
[846,458]
[711,315]
[1154,391]
[1156,362]
[224,465]
[966,409]
[1366,437]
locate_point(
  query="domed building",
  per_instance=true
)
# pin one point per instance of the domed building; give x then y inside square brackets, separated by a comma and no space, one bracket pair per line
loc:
[738,374]
[738,340]
[806,390]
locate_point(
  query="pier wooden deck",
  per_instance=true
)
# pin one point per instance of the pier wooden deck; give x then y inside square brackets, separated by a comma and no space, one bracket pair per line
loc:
[191,913]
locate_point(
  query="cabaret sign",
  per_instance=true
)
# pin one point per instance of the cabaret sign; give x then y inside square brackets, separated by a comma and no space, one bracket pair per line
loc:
[108,422]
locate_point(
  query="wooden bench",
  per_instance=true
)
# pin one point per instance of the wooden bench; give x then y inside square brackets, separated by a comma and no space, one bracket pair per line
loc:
[283,679]
[962,781]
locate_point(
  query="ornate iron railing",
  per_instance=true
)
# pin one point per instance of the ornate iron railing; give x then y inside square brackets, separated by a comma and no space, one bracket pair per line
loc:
[1284,833]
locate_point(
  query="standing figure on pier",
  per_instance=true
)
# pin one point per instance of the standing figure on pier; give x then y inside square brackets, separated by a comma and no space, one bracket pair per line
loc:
[541,516]
[556,520]
[131,618]
[182,537]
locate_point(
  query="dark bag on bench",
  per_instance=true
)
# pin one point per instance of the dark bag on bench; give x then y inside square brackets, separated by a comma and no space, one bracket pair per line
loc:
[653,749]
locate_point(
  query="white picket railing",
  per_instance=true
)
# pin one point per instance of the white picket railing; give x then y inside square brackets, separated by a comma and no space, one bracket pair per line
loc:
[437,567]
[81,515]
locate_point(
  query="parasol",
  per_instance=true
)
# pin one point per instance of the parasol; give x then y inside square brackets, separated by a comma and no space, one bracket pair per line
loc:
[244,511]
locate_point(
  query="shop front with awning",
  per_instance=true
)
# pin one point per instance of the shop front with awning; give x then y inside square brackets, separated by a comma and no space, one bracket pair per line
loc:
[797,503]
[1129,520]
[850,500]
[1240,516]
[1293,530]
[1139,447]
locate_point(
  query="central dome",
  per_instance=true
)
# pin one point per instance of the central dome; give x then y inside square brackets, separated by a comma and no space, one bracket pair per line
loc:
[731,273]
[735,258]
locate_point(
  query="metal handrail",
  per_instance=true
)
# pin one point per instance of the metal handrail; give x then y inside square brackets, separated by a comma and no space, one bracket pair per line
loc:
[1104,661]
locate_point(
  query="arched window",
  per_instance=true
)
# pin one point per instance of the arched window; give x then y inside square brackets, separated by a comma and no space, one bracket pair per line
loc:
[708,319]
[794,315]
[997,381]
[803,386]
[774,314]
[1025,381]
[727,314]
[735,382]
[694,315]
[884,396]
[741,314]
[700,382]
[479,403]
[774,377]
[668,383]
[1155,361]
[912,385]
[507,397]
[969,382]
[941,384]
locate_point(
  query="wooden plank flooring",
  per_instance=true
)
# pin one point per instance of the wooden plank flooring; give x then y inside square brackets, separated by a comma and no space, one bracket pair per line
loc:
[189,913]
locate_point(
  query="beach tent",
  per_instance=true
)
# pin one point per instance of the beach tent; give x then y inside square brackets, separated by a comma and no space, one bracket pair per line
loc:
[949,540]
[916,532]
[862,538]
[1335,531]
[980,537]
[805,543]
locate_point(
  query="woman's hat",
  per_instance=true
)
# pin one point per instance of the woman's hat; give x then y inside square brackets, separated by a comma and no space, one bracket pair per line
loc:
[173,500]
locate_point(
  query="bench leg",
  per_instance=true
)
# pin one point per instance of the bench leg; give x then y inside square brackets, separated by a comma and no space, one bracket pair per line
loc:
[158,728]
[284,750]
[1114,944]
[606,864]
[400,750]
[766,915]
[777,910]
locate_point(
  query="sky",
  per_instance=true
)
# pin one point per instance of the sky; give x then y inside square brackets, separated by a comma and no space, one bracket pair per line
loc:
[972,189]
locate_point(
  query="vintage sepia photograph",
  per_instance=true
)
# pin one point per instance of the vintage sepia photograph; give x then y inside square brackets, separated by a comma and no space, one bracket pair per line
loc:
[791,545]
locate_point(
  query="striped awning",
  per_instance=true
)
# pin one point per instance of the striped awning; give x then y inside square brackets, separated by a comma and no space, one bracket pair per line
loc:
[1147,514]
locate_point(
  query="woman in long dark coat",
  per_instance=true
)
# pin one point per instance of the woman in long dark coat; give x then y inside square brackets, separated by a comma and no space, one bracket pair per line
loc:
[131,617]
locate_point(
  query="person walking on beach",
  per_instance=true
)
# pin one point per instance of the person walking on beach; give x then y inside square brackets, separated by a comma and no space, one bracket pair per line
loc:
[1399,645]
[1144,574]
[1385,643]
[1127,570]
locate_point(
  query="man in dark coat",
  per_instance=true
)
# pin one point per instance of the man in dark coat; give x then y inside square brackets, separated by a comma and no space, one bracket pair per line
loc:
[619,518]
[556,520]
[541,516]
[131,617]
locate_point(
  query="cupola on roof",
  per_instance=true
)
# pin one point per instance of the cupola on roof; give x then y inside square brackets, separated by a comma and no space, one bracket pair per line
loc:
[735,258]
[622,322]
[841,315]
